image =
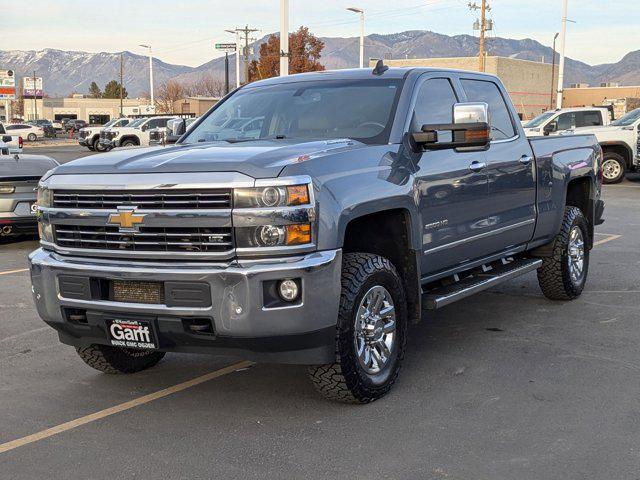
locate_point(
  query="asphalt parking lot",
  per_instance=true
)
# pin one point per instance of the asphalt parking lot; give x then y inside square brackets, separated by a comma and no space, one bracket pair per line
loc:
[503,385]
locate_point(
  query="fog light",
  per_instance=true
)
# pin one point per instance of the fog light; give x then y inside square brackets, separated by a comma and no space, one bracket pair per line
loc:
[288,290]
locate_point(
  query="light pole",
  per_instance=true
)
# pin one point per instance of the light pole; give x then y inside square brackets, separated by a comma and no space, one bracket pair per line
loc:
[284,38]
[153,103]
[553,69]
[563,43]
[361,13]
[235,32]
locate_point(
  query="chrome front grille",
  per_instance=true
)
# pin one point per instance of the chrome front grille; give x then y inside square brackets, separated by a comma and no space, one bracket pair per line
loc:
[148,239]
[84,134]
[144,200]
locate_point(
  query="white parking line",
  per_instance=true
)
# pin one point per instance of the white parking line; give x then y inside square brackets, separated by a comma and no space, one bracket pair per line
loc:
[49,432]
[9,272]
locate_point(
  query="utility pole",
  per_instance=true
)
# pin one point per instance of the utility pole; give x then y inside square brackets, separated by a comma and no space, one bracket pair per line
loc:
[226,73]
[284,38]
[244,31]
[35,97]
[121,82]
[563,40]
[553,70]
[483,26]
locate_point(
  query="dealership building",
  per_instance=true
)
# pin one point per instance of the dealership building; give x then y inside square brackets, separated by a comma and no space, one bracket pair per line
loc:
[529,83]
[96,111]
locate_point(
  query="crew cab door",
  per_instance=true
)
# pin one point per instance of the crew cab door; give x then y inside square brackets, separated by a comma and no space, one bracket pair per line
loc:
[451,185]
[510,171]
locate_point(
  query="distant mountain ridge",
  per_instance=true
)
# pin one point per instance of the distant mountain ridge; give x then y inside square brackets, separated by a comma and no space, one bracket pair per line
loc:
[67,72]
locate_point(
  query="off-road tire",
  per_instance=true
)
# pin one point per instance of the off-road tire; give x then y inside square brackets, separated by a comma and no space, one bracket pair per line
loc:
[614,157]
[345,380]
[129,143]
[116,360]
[554,277]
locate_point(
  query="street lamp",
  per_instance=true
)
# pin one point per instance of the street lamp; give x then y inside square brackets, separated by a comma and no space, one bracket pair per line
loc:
[553,69]
[361,13]
[235,32]
[150,73]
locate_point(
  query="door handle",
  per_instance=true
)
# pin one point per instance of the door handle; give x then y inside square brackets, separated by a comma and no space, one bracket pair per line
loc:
[477,166]
[526,159]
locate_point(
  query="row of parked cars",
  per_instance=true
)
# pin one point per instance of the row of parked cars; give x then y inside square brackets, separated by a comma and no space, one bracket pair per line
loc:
[619,139]
[130,132]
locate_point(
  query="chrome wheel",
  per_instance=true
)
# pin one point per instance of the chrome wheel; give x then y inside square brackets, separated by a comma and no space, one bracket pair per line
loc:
[576,254]
[611,169]
[375,330]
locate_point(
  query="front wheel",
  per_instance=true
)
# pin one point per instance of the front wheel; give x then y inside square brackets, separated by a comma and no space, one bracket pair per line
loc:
[129,143]
[109,359]
[564,274]
[613,168]
[371,332]
[99,147]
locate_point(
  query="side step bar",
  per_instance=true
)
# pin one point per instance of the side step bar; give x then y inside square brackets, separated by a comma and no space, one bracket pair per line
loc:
[474,283]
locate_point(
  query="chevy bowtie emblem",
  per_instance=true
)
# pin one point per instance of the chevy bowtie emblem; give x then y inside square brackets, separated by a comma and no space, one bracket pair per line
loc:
[126,219]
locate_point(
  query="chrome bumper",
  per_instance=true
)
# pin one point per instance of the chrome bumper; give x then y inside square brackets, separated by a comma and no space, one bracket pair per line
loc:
[300,333]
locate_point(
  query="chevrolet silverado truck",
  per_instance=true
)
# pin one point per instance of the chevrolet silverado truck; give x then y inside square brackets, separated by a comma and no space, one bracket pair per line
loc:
[134,134]
[90,136]
[364,198]
[19,177]
[620,144]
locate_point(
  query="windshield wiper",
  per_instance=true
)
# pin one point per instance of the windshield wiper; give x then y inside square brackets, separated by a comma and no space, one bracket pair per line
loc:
[244,140]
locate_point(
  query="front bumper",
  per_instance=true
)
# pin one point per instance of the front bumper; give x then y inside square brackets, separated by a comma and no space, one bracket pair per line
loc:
[107,143]
[302,333]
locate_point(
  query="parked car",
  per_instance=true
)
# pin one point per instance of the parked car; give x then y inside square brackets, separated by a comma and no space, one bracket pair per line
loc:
[19,176]
[57,126]
[620,144]
[165,135]
[24,130]
[135,133]
[46,125]
[364,197]
[90,136]
[9,141]
[75,125]
[556,121]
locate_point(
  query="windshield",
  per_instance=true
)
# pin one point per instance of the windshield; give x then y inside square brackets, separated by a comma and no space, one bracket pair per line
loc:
[539,120]
[110,122]
[137,122]
[321,110]
[629,119]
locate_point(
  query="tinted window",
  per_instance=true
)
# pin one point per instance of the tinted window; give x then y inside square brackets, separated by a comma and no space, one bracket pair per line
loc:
[588,119]
[435,102]
[489,93]
[311,110]
[566,121]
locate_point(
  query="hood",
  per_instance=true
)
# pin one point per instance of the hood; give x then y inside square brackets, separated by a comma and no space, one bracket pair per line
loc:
[258,159]
[25,165]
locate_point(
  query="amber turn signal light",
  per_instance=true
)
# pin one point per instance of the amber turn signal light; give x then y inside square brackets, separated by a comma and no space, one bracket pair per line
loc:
[299,234]
[297,195]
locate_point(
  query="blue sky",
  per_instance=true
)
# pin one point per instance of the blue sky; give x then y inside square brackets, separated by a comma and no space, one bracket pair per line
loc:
[184,32]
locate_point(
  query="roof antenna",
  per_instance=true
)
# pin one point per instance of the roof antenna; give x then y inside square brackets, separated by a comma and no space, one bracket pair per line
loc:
[380,68]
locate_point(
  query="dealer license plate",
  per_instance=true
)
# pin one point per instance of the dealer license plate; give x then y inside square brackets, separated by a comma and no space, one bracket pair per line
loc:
[131,334]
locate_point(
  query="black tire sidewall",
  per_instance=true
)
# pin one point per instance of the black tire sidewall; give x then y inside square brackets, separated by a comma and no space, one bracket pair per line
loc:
[32,137]
[577,220]
[621,162]
[356,377]
[128,143]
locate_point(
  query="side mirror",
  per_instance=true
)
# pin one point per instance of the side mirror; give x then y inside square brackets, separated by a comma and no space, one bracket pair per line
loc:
[177,127]
[470,128]
[550,128]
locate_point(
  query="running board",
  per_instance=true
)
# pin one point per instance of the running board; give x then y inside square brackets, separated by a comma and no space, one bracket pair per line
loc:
[487,277]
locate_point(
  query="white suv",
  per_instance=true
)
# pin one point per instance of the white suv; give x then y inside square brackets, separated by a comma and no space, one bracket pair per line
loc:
[90,136]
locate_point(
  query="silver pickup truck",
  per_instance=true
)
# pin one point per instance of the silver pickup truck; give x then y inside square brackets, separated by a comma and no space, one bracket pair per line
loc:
[19,177]
[364,198]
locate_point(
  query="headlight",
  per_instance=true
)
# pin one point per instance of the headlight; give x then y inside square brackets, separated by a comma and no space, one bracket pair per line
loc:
[270,197]
[7,189]
[44,197]
[273,235]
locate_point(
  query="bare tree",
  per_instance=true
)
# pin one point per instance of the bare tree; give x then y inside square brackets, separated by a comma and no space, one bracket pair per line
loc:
[168,93]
